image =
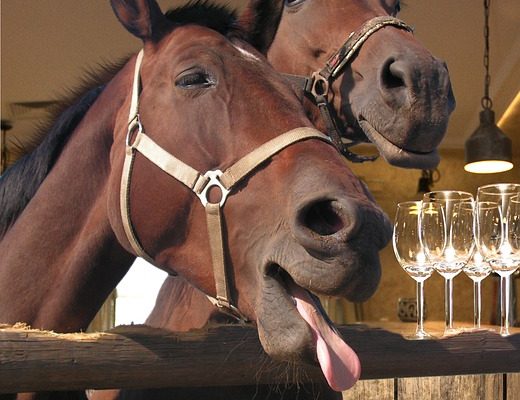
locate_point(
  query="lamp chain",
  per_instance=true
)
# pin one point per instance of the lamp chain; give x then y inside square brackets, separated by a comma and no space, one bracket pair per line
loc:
[486,102]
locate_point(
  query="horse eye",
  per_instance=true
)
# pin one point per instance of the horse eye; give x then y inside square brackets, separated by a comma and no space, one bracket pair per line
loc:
[292,3]
[194,79]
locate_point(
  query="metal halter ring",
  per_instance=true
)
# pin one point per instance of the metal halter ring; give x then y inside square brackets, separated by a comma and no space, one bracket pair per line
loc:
[320,85]
[134,123]
[214,180]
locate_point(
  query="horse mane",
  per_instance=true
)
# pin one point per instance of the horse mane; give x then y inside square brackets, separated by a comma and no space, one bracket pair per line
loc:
[20,182]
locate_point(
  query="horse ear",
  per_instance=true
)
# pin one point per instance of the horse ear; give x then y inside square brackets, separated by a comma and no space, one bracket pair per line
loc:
[260,22]
[142,18]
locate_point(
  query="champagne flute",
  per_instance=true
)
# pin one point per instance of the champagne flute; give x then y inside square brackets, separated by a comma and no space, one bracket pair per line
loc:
[409,252]
[497,230]
[449,258]
[477,270]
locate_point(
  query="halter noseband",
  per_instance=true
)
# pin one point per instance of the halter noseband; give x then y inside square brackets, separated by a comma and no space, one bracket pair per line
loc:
[317,86]
[199,183]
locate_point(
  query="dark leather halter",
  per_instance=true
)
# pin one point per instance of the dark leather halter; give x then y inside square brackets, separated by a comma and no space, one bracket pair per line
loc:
[317,86]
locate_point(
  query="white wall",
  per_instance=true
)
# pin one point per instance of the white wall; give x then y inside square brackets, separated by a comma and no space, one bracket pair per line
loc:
[137,292]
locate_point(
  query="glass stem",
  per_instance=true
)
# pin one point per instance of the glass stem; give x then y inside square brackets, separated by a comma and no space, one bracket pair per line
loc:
[420,307]
[476,304]
[448,303]
[504,304]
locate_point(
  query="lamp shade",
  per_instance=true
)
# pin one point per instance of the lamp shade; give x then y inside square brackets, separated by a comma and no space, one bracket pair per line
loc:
[488,149]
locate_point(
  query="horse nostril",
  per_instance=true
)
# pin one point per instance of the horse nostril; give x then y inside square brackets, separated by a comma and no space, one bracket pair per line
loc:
[323,218]
[392,74]
[325,226]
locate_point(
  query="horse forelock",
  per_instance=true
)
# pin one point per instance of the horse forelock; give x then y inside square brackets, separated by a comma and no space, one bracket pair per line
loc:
[20,182]
[202,12]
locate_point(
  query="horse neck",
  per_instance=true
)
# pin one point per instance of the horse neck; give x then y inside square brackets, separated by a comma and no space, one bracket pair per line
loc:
[60,259]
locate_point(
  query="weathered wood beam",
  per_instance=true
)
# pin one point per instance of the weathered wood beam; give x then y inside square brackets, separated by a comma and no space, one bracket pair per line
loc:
[385,353]
[140,357]
[135,357]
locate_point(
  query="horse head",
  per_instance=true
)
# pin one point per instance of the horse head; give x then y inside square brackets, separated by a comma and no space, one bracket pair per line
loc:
[208,115]
[391,90]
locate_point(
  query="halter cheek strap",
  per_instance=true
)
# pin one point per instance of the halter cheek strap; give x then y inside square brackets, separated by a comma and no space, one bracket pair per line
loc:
[200,184]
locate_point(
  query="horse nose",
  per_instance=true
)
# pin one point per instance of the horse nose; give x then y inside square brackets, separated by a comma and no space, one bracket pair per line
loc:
[406,77]
[324,225]
[418,92]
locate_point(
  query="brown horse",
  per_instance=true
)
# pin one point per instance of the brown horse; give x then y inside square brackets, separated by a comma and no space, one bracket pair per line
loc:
[392,92]
[118,176]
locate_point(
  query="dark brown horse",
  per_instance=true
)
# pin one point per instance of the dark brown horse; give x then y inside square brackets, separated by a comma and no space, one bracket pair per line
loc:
[392,92]
[118,176]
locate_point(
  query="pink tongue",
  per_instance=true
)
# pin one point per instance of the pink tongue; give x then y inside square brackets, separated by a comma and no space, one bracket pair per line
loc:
[338,361]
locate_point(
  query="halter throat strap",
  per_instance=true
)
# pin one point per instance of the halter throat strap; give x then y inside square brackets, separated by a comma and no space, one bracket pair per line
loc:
[199,183]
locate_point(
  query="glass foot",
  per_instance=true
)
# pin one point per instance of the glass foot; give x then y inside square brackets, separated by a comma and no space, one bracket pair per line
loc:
[504,332]
[452,332]
[476,329]
[419,335]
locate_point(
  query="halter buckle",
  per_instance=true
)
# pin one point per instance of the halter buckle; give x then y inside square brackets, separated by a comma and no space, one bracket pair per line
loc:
[225,307]
[214,180]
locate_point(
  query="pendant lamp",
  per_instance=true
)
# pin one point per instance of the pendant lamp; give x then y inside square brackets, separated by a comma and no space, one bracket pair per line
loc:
[488,150]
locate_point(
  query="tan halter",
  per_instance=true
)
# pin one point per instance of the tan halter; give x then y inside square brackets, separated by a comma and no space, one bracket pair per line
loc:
[199,183]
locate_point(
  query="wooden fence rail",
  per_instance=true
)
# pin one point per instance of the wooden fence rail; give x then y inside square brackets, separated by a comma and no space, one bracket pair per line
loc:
[140,357]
